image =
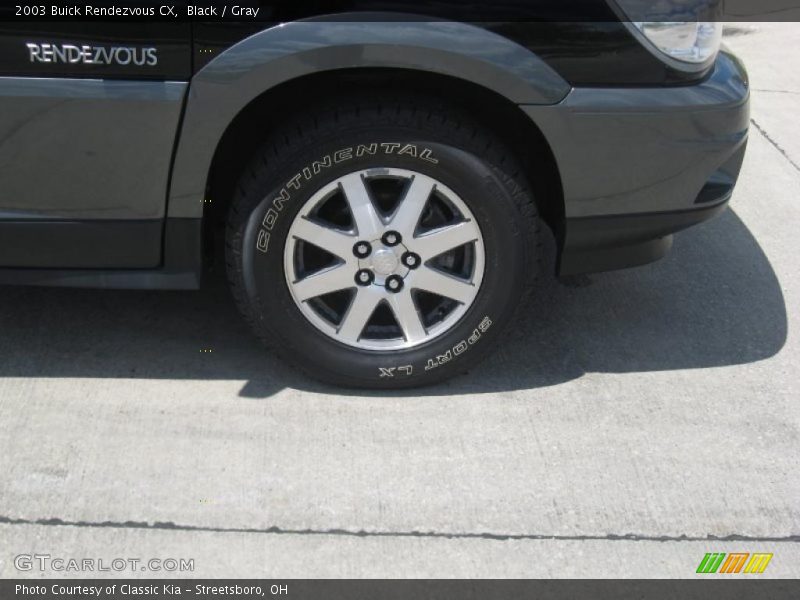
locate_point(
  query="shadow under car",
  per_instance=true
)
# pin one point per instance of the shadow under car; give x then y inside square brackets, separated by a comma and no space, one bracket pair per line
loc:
[714,301]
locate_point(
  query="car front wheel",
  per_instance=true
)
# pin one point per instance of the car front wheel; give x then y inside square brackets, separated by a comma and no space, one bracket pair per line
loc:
[381,244]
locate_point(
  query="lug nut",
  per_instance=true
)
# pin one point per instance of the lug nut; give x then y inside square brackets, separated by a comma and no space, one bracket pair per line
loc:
[391,238]
[365,277]
[394,283]
[411,260]
[362,249]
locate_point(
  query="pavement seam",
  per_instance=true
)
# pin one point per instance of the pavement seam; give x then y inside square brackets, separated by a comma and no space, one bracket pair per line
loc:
[777,146]
[169,526]
[775,91]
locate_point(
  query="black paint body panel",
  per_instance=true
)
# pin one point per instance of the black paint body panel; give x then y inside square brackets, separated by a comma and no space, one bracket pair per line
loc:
[92,151]
[86,148]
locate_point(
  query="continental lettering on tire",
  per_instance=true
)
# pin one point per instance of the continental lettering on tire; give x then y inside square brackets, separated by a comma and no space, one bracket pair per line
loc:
[316,167]
[461,347]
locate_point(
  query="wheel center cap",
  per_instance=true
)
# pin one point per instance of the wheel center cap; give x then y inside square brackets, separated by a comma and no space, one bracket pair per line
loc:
[384,262]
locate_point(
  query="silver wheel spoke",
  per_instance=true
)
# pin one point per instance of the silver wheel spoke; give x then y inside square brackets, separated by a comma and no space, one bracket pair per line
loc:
[442,284]
[367,220]
[407,316]
[358,314]
[337,243]
[441,240]
[374,270]
[330,280]
[409,211]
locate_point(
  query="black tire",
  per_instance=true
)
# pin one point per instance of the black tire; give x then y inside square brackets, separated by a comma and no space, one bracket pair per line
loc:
[468,159]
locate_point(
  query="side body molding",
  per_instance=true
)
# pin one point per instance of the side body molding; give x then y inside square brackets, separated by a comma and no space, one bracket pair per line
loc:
[226,85]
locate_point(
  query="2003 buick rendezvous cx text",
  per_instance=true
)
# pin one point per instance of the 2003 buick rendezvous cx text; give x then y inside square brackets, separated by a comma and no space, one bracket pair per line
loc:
[381,178]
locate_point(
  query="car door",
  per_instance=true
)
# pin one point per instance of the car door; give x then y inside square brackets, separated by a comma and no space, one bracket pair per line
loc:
[89,113]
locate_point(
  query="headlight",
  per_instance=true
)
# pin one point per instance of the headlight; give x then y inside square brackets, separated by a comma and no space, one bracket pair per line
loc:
[686,34]
[693,43]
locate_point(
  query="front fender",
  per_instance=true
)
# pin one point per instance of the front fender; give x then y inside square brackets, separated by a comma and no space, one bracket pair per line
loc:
[226,85]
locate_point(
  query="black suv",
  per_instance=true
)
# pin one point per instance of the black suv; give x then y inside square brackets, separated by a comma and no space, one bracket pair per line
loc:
[381,178]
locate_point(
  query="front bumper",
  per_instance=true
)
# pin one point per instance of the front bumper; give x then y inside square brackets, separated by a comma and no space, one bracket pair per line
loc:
[637,165]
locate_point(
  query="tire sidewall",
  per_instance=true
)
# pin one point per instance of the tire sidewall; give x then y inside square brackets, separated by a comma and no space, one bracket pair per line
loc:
[280,322]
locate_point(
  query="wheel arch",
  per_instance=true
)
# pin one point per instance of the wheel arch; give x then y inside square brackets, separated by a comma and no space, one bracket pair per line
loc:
[247,131]
[265,79]
[279,55]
